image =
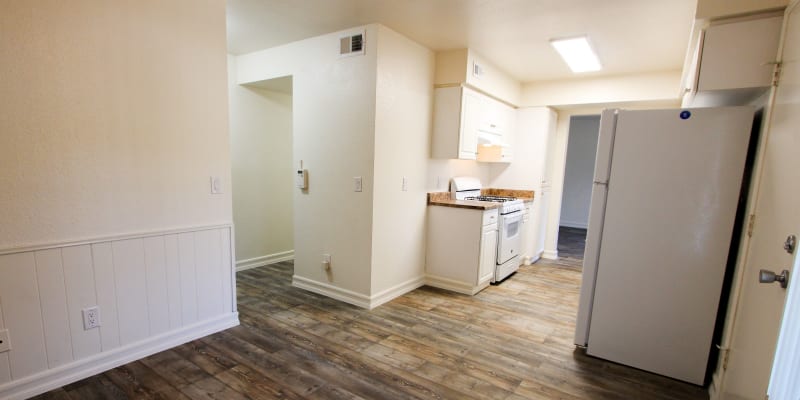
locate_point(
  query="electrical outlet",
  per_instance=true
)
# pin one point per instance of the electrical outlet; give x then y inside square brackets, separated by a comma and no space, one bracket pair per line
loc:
[5,342]
[357,183]
[404,185]
[91,318]
[326,262]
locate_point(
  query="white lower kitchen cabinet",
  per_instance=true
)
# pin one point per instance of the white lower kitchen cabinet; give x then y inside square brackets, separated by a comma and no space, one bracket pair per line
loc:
[526,237]
[462,248]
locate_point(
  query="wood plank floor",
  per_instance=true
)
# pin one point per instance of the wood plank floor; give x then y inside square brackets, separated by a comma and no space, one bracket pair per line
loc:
[511,341]
[571,244]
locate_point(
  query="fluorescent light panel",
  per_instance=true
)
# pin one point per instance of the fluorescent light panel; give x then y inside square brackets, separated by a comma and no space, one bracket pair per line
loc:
[577,53]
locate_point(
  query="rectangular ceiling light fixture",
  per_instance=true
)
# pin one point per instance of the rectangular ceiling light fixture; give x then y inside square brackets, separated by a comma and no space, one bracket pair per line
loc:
[577,53]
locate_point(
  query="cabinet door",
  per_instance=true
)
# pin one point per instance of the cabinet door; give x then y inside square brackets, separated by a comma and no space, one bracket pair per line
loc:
[509,132]
[525,238]
[470,120]
[739,54]
[488,253]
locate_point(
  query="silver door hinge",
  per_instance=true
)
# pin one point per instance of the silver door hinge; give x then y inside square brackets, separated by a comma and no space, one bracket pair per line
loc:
[776,74]
[750,224]
[725,358]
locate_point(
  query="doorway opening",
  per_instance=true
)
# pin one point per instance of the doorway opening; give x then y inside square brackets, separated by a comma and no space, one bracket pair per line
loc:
[262,172]
[577,191]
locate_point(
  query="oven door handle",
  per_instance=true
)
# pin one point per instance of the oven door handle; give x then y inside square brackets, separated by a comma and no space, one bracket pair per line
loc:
[512,217]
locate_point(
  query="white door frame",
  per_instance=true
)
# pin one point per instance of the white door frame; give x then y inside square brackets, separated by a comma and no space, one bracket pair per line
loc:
[743,257]
[556,164]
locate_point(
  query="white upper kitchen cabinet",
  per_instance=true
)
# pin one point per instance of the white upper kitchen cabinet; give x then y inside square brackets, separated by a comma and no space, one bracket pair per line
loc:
[466,122]
[733,62]
[496,131]
[456,117]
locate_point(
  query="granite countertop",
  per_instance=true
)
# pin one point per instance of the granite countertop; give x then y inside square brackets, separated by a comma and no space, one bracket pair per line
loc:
[524,195]
[443,199]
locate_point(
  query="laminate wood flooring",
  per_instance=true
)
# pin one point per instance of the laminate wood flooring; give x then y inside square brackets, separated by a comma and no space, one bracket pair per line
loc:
[571,244]
[511,341]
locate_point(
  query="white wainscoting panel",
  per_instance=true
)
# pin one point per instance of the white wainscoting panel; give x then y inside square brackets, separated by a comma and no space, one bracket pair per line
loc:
[131,285]
[5,367]
[106,295]
[208,261]
[80,294]
[228,273]
[155,261]
[188,277]
[53,297]
[22,314]
[153,290]
[173,281]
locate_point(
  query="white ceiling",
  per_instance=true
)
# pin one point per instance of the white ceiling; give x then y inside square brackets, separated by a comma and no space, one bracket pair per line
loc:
[630,36]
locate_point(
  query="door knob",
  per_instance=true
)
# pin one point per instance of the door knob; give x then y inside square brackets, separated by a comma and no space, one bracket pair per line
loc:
[767,276]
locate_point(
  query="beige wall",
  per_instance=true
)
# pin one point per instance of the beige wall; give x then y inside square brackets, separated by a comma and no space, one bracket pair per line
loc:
[494,81]
[651,87]
[402,136]
[262,171]
[114,118]
[441,171]
[455,67]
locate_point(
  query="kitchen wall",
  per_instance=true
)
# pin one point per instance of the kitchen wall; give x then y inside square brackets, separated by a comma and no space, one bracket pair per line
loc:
[440,171]
[456,67]
[647,87]
[403,113]
[114,119]
[262,170]
[334,137]
[579,170]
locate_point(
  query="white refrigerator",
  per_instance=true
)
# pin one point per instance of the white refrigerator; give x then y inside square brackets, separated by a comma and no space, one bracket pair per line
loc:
[664,202]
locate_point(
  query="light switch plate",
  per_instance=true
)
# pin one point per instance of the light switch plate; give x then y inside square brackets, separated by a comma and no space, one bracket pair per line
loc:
[404,185]
[5,341]
[357,184]
[216,185]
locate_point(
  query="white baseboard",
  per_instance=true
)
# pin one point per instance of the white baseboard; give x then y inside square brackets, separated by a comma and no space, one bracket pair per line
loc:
[453,285]
[357,299]
[54,378]
[536,256]
[256,262]
[550,254]
[347,296]
[395,291]
[571,224]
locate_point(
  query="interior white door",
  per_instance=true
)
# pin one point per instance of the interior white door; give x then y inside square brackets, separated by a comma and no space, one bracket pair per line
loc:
[671,204]
[758,317]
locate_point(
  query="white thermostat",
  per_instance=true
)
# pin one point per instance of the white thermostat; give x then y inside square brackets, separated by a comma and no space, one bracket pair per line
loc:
[301,180]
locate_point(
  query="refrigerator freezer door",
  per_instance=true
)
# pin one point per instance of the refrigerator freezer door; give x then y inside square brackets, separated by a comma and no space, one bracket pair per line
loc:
[670,210]
[597,210]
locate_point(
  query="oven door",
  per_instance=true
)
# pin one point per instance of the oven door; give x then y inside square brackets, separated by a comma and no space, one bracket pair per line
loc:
[508,243]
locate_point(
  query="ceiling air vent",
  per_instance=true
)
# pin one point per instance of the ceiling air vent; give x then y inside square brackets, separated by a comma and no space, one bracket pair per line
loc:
[477,70]
[351,45]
